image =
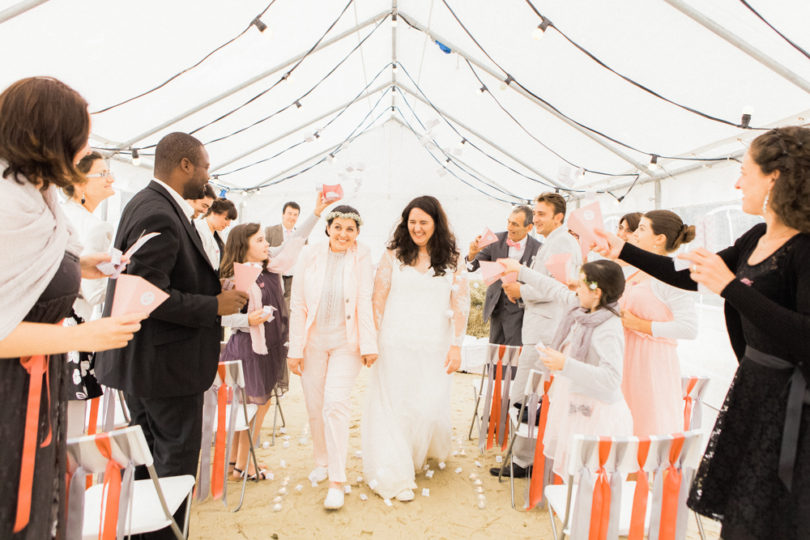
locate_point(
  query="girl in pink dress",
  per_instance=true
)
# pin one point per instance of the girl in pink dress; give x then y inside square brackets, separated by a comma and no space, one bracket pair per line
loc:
[654,315]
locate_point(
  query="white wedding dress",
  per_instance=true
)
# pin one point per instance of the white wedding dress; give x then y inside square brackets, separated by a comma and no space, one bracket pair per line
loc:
[407,414]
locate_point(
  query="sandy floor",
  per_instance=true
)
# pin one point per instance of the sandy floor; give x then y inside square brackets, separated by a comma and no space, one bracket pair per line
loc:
[450,511]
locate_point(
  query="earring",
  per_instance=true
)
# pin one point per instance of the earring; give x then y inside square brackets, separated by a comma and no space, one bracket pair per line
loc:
[83,199]
[765,203]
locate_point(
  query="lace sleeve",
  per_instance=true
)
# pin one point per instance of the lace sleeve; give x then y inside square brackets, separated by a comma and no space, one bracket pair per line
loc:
[382,286]
[460,306]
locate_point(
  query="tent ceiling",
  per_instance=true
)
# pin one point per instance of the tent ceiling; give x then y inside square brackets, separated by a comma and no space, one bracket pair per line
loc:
[113,51]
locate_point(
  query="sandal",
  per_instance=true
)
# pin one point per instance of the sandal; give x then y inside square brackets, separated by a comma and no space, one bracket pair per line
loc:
[263,474]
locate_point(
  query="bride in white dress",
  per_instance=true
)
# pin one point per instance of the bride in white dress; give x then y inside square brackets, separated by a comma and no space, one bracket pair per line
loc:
[421,303]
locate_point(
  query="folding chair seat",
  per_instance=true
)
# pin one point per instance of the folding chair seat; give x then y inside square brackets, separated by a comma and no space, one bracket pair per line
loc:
[597,502]
[220,421]
[493,390]
[534,394]
[121,506]
[694,388]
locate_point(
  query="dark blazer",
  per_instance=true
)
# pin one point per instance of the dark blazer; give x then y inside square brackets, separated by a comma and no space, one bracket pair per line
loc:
[493,252]
[176,351]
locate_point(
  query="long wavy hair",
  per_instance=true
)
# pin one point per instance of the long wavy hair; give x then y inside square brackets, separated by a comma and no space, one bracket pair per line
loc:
[236,248]
[442,245]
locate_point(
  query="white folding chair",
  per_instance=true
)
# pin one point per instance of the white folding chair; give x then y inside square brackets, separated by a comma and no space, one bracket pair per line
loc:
[110,412]
[599,465]
[537,387]
[239,417]
[498,372]
[144,505]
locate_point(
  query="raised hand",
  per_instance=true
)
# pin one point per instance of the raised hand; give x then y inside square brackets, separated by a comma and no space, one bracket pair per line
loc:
[708,269]
[453,360]
[255,318]
[614,244]
[474,249]
[296,365]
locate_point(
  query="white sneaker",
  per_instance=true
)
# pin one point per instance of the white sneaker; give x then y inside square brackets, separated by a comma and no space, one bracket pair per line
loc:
[318,474]
[405,495]
[334,499]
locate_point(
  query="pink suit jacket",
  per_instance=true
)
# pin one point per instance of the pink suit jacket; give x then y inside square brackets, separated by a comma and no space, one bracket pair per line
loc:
[358,282]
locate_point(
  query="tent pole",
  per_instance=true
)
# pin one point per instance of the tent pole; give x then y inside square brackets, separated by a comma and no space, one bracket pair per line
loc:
[393,53]
[19,9]
[636,164]
[248,82]
[486,140]
[740,43]
[300,126]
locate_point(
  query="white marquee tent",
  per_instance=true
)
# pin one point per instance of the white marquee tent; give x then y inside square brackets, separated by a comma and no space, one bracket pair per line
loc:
[398,98]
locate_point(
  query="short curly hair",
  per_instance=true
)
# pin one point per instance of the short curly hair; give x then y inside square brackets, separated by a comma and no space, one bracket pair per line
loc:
[787,150]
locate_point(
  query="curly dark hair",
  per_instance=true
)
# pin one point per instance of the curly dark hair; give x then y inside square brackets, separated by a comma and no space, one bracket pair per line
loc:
[441,246]
[787,150]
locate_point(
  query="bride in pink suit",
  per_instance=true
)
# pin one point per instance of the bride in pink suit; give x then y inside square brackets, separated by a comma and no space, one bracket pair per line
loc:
[421,303]
[654,316]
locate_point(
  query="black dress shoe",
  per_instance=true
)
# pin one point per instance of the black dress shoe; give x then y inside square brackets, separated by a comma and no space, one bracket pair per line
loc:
[517,471]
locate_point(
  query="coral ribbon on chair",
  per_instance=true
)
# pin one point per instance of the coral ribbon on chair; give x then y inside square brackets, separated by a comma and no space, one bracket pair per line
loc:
[37,368]
[92,423]
[640,494]
[687,409]
[218,474]
[539,464]
[495,412]
[111,491]
[671,491]
[600,507]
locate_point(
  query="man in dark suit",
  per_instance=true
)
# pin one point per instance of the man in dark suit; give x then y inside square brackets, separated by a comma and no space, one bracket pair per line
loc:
[505,314]
[276,234]
[173,359]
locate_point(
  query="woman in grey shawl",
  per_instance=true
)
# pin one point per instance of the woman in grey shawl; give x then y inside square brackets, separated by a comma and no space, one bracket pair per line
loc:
[44,129]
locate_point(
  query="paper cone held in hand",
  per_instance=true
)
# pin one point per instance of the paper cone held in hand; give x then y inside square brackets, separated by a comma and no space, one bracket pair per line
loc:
[332,193]
[491,271]
[583,221]
[244,275]
[133,294]
[509,277]
[487,238]
[557,266]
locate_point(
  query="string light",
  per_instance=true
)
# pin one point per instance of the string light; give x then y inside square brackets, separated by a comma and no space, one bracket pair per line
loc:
[394,19]
[540,31]
[298,104]
[654,162]
[509,80]
[260,26]
[747,113]
[136,157]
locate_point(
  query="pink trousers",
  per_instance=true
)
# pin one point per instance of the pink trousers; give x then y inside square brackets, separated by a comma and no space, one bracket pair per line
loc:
[328,378]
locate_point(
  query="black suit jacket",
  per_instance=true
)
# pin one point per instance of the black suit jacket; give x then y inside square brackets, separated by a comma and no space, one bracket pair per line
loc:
[493,252]
[177,349]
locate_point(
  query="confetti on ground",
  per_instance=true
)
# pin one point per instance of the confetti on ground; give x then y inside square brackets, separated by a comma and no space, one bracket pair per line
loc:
[425,492]
[429,474]
[442,465]
[286,444]
[347,489]
[278,499]
[373,484]
[277,507]
[299,488]
[363,497]
[282,430]
[266,445]
[282,463]
[359,453]
[473,476]
[387,502]
[498,459]
[478,482]
[477,463]
[458,470]
[359,479]
[282,491]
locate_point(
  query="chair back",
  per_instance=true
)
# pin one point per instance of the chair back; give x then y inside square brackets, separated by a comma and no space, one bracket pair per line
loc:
[499,370]
[693,389]
[127,445]
[602,463]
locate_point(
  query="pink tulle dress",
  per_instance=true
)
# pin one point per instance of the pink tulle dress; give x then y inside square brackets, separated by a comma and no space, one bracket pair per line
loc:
[651,381]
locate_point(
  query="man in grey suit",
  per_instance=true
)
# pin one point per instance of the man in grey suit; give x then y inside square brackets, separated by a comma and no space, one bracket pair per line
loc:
[504,314]
[276,234]
[541,315]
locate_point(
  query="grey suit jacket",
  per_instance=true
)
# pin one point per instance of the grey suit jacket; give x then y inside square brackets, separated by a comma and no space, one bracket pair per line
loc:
[493,252]
[541,313]
[274,235]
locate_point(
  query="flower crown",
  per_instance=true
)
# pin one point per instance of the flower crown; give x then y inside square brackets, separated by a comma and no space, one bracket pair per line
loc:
[345,215]
[592,285]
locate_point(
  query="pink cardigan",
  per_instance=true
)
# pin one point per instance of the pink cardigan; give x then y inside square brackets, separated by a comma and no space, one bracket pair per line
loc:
[358,282]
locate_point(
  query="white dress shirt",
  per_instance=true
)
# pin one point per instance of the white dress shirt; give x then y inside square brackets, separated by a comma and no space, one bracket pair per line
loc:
[517,252]
[187,209]
[208,241]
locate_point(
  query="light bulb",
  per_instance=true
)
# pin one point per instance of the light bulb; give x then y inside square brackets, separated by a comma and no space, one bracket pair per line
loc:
[393,20]
[331,158]
[136,157]
[654,162]
[747,113]
[540,31]
[260,26]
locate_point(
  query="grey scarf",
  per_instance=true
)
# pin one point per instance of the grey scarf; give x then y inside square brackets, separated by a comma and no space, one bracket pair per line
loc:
[581,340]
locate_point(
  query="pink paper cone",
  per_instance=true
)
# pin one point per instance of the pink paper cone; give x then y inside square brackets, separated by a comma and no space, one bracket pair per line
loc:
[133,294]
[509,277]
[491,271]
[583,221]
[557,266]
[332,193]
[244,275]
[488,237]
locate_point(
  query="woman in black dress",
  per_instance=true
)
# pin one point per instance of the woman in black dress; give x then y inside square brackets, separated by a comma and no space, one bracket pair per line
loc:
[44,127]
[755,474]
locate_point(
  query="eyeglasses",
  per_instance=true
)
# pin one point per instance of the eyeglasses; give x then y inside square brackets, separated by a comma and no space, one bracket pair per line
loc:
[102,174]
